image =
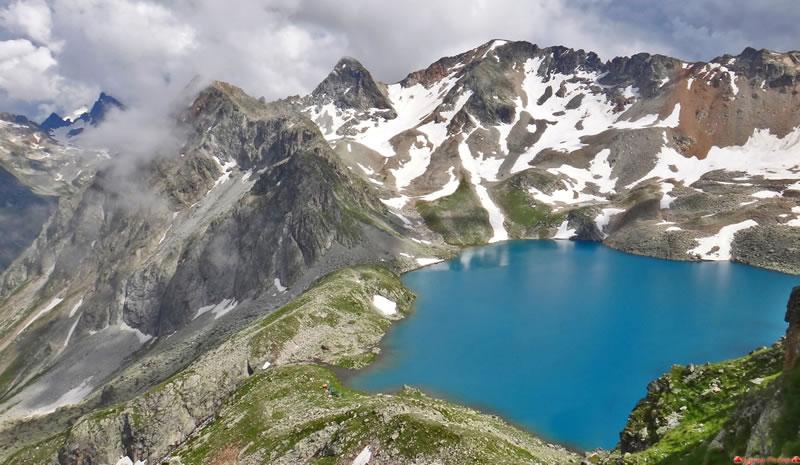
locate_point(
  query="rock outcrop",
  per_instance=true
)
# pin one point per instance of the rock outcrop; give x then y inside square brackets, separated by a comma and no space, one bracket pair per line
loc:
[351,86]
[793,331]
[745,407]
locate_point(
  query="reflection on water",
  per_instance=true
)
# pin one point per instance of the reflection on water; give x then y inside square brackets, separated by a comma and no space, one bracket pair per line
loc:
[563,337]
[483,257]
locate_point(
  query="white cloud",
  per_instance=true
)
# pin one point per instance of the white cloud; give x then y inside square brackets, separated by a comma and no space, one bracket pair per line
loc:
[128,30]
[146,50]
[29,18]
[25,70]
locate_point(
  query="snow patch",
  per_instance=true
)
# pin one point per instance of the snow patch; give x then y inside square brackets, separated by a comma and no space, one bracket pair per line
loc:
[139,335]
[75,308]
[71,330]
[765,194]
[218,310]
[718,246]
[496,218]
[428,261]
[53,303]
[564,231]
[384,305]
[125,460]
[396,203]
[278,285]
[226,168]
[419,158]
[448,189]
[763,154]
[666,199]
[363,457]
[604,218]
[164,235]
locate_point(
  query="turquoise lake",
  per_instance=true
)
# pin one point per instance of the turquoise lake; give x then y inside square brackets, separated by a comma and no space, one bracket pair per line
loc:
[562,337]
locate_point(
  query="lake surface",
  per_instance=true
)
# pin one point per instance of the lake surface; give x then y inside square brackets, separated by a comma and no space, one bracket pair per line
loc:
[562,337]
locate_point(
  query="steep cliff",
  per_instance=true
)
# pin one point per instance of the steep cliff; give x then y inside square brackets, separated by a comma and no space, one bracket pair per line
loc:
[250,210]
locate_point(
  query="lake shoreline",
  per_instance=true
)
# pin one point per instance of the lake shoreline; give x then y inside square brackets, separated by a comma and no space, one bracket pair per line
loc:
[480,253]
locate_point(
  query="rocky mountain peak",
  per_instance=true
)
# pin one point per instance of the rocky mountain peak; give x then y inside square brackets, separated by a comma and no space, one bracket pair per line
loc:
[75,125]
[644,71]
[351,86]
[101,107]
[54,121]
[775,69]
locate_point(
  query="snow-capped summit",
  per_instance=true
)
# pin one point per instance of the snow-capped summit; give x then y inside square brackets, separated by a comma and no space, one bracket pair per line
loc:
[631,151]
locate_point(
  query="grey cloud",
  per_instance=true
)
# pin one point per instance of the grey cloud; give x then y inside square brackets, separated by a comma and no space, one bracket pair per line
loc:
[701,30]
[143,51]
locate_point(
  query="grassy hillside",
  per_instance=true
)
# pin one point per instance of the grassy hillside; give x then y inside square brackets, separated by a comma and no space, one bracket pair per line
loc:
[259,397]
[459,217]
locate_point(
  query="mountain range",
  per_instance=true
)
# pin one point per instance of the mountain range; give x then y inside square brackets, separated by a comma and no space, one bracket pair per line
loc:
[72,126]
[141,306]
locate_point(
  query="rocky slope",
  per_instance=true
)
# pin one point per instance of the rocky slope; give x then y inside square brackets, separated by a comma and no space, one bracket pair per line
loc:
[259,397]
[36,170]
[648,153]
[167,257]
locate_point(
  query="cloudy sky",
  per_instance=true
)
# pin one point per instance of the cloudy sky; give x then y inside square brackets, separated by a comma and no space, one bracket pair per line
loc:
[58,54]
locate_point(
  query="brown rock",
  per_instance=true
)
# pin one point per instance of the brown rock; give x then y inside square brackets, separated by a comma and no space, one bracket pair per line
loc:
[792,349]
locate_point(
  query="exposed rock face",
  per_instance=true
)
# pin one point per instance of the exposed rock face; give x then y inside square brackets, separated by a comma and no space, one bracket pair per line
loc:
[776,247]
[644,71]
[35,172]
[254,203]
[778,70]
[793,331]
[53,122]
[351,86]
[22,215]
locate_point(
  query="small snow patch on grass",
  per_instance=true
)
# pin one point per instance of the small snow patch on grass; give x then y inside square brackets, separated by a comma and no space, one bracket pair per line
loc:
[363,457]
[384,305]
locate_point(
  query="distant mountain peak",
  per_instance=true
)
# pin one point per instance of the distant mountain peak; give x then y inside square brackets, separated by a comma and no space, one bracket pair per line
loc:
[351,85]
[53,122]
[101,107]
[81,118]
